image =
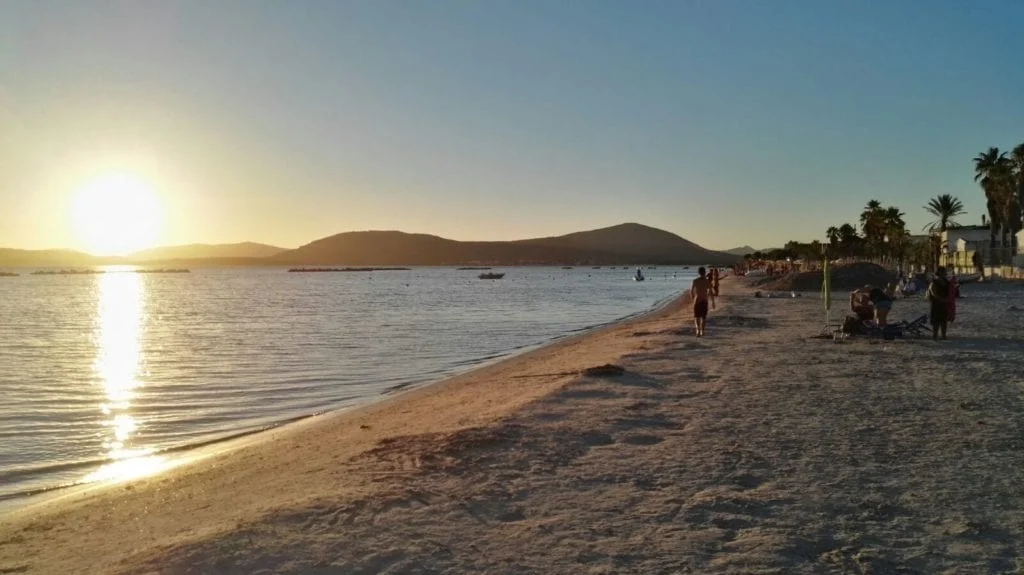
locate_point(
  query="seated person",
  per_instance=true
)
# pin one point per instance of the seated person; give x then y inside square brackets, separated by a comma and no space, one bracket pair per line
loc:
[882,303]
[860,303]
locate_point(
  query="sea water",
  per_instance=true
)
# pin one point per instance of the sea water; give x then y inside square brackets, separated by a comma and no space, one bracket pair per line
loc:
[104,377]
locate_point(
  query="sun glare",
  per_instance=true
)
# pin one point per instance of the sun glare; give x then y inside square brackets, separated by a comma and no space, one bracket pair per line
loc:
[116,214]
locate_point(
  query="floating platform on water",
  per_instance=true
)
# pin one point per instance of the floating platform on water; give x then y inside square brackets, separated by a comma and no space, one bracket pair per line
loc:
[67,272]
[332,270]
[98,272]
[491,276]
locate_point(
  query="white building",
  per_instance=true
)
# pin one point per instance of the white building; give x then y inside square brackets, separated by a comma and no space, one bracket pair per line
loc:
[1018,260]
[967,239]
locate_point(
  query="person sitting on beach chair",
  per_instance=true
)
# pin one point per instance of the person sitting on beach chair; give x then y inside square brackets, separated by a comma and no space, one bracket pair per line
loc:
[860,304]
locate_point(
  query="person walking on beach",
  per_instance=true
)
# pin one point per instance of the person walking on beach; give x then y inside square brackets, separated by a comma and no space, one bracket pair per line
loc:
[714,281]
[939,297]
[701,292]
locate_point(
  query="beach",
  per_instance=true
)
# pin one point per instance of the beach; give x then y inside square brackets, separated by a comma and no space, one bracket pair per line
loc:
[758,449]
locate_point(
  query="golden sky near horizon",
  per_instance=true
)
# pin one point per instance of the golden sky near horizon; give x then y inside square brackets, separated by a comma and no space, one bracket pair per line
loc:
[98,186]
[123,193]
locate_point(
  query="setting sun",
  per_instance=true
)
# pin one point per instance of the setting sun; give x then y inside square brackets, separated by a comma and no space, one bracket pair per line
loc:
[116,214]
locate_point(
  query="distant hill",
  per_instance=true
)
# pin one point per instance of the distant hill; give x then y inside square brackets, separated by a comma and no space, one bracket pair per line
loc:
[200,251]
[623,244]
[741,251]
[44,258]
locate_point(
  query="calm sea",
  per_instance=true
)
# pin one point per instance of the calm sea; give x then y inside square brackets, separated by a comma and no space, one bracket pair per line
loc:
[107,377]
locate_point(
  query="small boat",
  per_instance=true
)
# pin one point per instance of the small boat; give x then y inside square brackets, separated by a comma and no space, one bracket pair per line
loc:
[490,276]
[638,276]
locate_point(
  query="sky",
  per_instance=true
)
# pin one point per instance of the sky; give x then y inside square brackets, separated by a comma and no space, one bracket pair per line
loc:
[728,122]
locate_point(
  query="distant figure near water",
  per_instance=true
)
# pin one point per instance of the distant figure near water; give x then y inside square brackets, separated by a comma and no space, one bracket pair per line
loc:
[714,281]
[701,292]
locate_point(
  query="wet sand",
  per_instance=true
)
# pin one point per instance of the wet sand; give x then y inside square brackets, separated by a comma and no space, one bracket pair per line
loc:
[758,449]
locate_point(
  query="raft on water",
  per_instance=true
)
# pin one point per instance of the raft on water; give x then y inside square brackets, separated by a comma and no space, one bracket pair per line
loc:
[491,276]
[328,270]
[97,272]
[67,272]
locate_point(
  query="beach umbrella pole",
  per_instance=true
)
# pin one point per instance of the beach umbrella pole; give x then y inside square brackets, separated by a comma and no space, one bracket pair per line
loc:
[826,294]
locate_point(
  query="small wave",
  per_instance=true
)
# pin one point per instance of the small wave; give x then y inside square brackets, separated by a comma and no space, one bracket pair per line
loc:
[50,469]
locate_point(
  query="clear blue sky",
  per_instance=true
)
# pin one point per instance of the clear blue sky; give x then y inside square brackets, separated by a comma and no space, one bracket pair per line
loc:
[726,121]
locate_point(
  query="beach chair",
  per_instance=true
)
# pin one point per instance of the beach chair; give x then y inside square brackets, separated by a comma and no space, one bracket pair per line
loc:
[890,331]
[916,327]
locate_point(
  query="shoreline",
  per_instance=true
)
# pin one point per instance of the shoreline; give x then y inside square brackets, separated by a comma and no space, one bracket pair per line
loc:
[18,506]
[186,455]
[757,449]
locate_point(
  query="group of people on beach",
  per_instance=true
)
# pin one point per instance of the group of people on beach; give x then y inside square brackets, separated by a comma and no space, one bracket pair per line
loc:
[874,303]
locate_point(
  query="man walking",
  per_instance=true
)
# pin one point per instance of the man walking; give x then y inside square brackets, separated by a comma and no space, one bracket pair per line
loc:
[701,292]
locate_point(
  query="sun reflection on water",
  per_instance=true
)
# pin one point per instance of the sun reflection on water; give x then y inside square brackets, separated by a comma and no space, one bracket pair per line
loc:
[120,316]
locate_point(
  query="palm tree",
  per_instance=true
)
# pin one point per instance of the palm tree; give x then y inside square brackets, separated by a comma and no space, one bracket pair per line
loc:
[1017,160]
[895,230]
[1017,200]
[832,233]
[993,171]
[872,223]
[849,240]
[945,208]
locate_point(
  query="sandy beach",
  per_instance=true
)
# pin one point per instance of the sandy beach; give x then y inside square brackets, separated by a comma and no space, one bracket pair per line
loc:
[758,449]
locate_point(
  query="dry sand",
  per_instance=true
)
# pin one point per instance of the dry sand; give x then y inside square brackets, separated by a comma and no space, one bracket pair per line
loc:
[755,450]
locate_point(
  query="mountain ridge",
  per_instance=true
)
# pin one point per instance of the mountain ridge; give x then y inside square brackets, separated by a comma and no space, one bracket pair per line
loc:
[740,251]
[623,244]
[201,251]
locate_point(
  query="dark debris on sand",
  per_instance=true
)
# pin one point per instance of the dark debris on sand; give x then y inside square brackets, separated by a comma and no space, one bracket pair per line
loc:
[606,369]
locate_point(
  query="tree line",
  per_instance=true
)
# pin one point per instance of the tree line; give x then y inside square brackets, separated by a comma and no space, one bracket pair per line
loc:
[881,233]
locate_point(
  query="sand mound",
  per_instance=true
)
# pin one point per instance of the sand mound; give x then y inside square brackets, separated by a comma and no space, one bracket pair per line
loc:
[845,277]
[606,369]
